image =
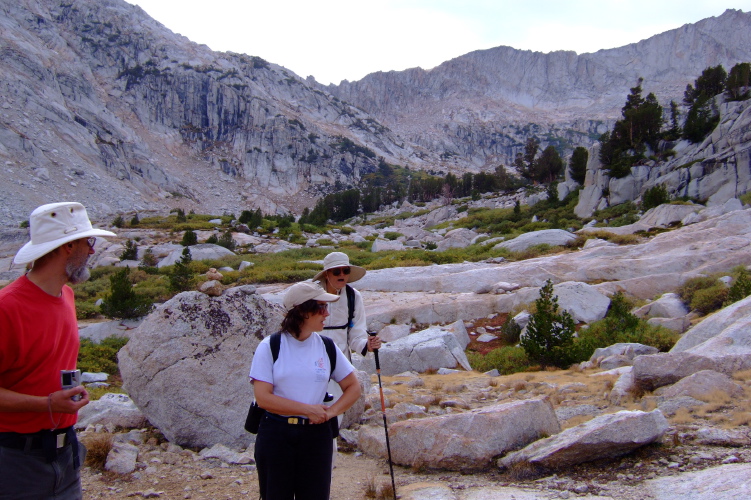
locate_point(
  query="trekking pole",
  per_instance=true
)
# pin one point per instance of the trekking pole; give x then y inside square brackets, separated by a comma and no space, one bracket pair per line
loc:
[383,411]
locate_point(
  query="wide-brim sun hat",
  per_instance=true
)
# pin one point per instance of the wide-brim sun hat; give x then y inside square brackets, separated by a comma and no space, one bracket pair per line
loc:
[53,225]
[340,259]
[305,291]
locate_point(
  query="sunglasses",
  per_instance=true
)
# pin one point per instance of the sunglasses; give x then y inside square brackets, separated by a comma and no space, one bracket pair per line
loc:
[322,307]
[91,241]
[339,270]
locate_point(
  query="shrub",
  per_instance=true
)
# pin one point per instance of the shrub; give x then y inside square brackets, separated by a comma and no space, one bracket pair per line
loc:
[550,334]
[149,259]
[226,241]
[212,239]
[710,299]
[510,331]
[135,221]
[741,287]
[130,252]
[391,235]
[101,357]
[655,196]
[122,301]
[118,222]
[98,445]
[189,238]
[506,360]
[703,293]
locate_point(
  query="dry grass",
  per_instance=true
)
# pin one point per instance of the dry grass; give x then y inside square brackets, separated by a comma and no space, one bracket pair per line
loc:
[522,470]
[682,417]
[371,491]
[739,418]
[98,446]
[386,492]
[455,388]
[519,385]
[720,398]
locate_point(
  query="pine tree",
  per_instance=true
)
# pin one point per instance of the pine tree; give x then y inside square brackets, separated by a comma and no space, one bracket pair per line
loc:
[130,252]
[189,238]
[123,302]
[181,278]
[550,334]
[578,164]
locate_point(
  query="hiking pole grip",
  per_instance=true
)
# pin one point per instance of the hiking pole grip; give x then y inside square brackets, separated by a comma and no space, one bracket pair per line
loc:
[375,352]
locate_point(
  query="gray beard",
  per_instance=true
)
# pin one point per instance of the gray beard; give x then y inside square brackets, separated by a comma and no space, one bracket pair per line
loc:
[77,274]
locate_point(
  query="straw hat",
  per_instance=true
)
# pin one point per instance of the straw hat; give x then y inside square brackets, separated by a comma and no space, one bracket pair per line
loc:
[340,259]
[305,291]
[54,225]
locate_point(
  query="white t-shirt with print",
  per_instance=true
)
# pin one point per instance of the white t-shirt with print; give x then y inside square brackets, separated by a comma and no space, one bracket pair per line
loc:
[301,372]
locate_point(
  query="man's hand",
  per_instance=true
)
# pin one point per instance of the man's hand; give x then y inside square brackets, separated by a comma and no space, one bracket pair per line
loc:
[62,402]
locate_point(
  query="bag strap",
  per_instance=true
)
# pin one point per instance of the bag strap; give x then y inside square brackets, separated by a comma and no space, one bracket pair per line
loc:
[350,311]
[276,342]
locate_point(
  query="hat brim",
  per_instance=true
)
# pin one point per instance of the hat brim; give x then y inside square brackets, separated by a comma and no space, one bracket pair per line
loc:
[355,273]
[31,252]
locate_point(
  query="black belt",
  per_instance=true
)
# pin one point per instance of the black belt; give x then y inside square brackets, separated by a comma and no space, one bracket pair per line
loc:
[50,441]
[289,420]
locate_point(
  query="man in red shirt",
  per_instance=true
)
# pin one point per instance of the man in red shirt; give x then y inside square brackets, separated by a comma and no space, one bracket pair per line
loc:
[39,453]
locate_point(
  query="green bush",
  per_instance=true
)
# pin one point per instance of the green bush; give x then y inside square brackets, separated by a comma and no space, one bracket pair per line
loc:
[391,235]
[101,357]
[689,288]
[550,334]
[710,299]
[741,287]
[505,359]
[655,196]
[226,241]
[510,331]
[189,238]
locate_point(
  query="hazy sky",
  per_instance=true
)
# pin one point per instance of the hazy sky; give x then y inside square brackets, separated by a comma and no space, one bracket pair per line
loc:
[334,40]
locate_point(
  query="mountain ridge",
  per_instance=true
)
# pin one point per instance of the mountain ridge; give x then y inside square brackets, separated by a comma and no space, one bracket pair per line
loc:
[103,104]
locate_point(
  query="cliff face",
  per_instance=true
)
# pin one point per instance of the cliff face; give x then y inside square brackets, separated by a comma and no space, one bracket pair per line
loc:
[102,104]
[481,105]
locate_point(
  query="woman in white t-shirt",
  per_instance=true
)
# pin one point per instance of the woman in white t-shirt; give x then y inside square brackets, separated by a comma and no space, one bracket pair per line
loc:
[293,450]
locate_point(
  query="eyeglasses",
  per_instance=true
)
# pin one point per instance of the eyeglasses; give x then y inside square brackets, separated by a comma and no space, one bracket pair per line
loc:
[322,307]
[91,241]
[339,270]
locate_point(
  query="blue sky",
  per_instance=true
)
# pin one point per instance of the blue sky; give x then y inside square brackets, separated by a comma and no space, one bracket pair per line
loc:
[335,40]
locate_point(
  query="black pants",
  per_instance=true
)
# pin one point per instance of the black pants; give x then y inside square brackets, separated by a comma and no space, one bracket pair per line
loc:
[293,461]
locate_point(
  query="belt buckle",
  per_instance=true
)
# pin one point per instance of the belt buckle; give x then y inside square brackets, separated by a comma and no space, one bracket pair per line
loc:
[60,440]
[292,420]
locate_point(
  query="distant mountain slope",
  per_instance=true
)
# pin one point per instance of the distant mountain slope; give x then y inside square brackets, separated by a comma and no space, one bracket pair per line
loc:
[478,107]
[102,104]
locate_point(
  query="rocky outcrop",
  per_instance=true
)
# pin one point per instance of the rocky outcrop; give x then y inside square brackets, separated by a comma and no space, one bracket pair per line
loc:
[717,169]
[468,441]
[186,366]
[606,436]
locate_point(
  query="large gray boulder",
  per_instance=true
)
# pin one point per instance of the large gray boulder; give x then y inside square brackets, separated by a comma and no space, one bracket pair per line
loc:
[469,440]
[702,385]
[583,302]
[723,482]
[606,436]
[669,305]
[713,325]
[202,251]
[112,410]
[429,349]
[552,237]
[186,366]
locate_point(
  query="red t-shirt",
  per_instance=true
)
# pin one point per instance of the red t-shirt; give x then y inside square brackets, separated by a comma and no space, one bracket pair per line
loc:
[38,338]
